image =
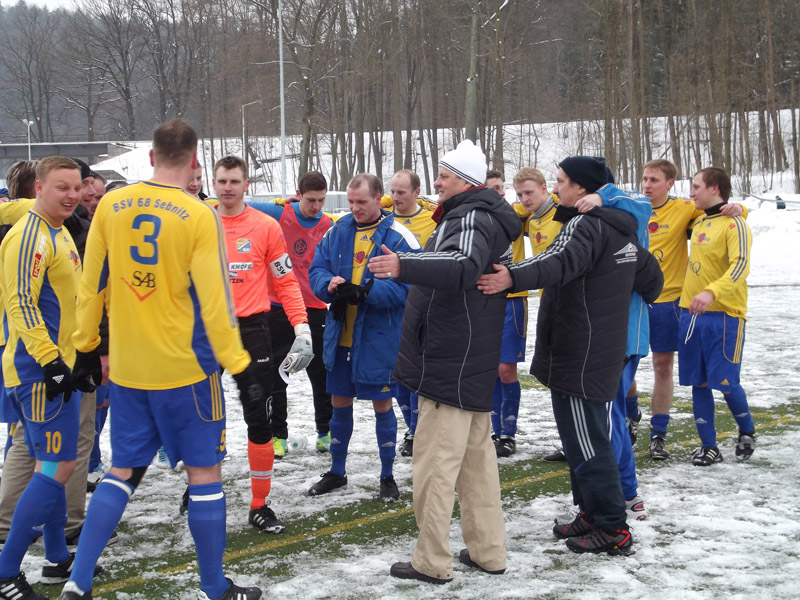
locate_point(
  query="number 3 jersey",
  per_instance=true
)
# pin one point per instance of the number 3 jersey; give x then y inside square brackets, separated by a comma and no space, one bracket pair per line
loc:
[41,270]
[156,257]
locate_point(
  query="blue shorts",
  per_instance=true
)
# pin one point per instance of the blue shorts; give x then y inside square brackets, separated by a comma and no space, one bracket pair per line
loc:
[51,426]
[665,319]
[515,329]
[340,381]
[713,352]
[188,421]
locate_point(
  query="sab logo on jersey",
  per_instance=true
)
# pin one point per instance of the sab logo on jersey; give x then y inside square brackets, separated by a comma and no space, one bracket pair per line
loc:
[243,245]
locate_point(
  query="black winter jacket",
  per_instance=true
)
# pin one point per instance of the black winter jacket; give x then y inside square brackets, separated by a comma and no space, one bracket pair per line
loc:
[587,273]
[450,344]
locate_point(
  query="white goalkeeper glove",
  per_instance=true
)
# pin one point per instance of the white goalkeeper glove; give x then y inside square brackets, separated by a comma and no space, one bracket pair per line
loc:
[301,353]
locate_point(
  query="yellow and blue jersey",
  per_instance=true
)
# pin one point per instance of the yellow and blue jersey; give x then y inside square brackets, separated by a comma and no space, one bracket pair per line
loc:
[542,229]
[362,248]
[12,211]
[41,270]
[156,256]
[420,224]
[719,262]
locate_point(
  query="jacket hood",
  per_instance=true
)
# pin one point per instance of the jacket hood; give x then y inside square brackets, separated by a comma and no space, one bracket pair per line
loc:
[620,220]
[485,199]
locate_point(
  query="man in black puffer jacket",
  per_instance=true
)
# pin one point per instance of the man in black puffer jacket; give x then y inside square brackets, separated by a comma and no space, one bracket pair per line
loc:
[449,351]
[587,275]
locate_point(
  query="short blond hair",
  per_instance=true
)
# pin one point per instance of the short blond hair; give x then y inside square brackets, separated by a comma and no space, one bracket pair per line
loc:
[529,174]
[51,163]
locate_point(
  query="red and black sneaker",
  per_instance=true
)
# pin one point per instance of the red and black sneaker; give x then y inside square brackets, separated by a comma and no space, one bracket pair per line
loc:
[598,541]
[581,525]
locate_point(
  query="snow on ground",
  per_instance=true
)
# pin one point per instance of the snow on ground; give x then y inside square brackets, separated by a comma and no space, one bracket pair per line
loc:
[727,531]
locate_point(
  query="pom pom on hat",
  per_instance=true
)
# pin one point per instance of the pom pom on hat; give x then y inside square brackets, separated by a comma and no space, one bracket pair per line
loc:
[467,161]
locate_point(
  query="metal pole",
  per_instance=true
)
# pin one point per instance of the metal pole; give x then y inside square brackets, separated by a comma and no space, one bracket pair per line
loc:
[283,113]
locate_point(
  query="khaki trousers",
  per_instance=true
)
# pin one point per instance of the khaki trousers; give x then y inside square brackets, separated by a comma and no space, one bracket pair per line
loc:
[453,451]
[19,466]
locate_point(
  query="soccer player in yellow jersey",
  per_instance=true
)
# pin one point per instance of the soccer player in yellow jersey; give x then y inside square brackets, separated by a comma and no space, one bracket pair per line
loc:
[362,328]
[670,221]
[156,257]
[40,273]
[531,189]
[408,211]
[713,305]
[507,391]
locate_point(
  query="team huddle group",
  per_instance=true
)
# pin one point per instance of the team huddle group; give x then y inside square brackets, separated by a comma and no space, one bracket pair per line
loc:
[140,300]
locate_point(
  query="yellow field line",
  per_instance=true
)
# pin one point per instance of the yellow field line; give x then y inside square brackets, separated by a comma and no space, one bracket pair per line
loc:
[282,541]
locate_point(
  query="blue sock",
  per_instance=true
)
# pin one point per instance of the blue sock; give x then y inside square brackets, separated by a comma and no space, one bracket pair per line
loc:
[658,426]
[497,406]
[341,425]
[207,524]
[510,410]
[737,403]
[703,405]
[55,544]
[33,508]
[386,432]
[105,510]
[404,402]
[632,406]
[412,427]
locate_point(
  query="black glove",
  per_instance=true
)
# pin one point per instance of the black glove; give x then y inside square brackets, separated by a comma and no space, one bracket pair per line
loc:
[87,372]
[348,293]
[361,293]
[57,380]
[249,386]
[341,297]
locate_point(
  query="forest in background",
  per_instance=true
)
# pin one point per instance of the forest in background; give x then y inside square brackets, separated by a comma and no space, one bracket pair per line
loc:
[723,77]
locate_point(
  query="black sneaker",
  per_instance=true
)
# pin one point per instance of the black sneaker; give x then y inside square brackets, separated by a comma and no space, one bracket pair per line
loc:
[71,591]
[184,502]
[633,427]
[463,556]
[328,483]
[581,525]
[407,445]
[598,541]
[505,446]
[658,449]
[389,491]
[18,588]
[264,519]
[235,592]
[706,456]
[404,570]
[557,456]
[745,445]
[53,573]
[72,539]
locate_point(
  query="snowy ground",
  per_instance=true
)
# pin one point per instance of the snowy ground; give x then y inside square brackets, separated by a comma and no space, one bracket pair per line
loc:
[728,531]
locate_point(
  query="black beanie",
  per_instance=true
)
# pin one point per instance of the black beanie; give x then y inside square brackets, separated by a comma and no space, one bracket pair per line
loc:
[86,170]
[589,172]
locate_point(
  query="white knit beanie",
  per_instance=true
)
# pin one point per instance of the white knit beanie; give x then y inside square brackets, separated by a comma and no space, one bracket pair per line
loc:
[467,162]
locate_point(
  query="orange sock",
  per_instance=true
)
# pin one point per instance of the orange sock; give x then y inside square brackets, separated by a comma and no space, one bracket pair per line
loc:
[261,458]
